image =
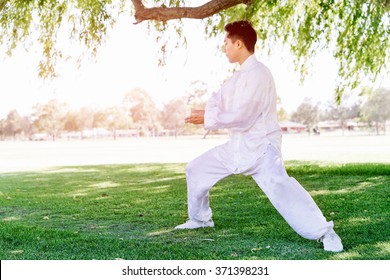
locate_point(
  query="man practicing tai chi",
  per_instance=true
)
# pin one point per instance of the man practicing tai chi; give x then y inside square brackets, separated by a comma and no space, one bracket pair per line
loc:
[246,106]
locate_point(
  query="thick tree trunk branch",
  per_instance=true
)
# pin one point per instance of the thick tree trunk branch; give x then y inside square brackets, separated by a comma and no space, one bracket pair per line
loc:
[166,13]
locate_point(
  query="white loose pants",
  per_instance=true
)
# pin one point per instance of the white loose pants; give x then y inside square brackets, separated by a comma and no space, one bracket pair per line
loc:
[290,199]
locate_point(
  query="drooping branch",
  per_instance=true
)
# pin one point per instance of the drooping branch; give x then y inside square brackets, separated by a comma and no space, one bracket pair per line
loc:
[167,13]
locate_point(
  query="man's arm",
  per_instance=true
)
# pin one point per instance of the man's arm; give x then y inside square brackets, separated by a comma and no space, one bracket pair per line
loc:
[251,99]
[196,117]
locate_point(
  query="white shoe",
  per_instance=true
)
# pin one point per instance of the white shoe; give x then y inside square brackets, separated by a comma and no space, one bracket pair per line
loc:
[331,241]
[190,224]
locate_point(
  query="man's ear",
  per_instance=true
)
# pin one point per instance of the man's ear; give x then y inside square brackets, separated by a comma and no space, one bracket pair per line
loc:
[240,44]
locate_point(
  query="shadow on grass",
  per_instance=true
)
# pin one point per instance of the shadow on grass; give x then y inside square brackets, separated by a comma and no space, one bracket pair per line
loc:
[129,212]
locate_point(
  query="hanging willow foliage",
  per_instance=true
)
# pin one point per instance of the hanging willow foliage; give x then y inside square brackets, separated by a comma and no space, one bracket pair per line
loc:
[357,31]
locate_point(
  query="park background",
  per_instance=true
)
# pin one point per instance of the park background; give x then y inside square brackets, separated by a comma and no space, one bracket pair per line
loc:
[124,91]
[63,139]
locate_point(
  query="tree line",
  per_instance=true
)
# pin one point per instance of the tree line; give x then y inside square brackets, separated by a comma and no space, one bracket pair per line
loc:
[138,115]
[371,109]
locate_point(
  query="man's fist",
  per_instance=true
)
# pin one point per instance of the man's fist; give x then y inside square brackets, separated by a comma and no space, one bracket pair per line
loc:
[196,117]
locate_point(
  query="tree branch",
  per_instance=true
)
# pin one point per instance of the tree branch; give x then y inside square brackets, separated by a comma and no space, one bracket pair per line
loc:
[167,13]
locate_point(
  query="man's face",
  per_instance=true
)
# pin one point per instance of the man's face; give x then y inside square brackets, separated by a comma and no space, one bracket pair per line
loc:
[231,50]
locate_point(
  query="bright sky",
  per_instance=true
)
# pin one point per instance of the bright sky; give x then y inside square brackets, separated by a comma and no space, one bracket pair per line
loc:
[129,60]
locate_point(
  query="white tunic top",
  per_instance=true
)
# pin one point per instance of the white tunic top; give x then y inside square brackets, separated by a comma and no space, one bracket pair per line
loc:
[246,106]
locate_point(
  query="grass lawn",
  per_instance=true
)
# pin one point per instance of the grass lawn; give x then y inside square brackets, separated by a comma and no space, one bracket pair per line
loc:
[129,211]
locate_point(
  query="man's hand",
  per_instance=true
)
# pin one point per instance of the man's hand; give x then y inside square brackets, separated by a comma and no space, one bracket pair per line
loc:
[196,117]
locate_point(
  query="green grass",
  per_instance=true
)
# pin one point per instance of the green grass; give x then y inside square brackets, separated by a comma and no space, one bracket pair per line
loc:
[129,212]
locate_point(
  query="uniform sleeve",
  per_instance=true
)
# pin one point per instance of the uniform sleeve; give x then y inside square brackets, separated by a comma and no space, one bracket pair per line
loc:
[212,110]
[250,96]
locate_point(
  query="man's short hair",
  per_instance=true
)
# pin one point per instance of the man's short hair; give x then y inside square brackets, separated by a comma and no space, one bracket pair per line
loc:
[242,30]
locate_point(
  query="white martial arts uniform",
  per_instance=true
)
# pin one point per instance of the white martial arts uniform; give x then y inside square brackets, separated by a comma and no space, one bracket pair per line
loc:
[246,106]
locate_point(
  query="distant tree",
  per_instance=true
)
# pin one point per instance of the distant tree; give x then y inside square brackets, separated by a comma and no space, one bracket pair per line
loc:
[377,108]
[143,111]
[116,117]
[197,95]
[49,117]
[27,126]
[282,113]
[99,118]
[78,121]
[173,114]
[343,112]
[85,119]
[71,123]
[2,129]
[13,124]
[306,113]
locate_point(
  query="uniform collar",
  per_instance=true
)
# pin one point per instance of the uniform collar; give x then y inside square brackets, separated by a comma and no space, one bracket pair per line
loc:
[248,62]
